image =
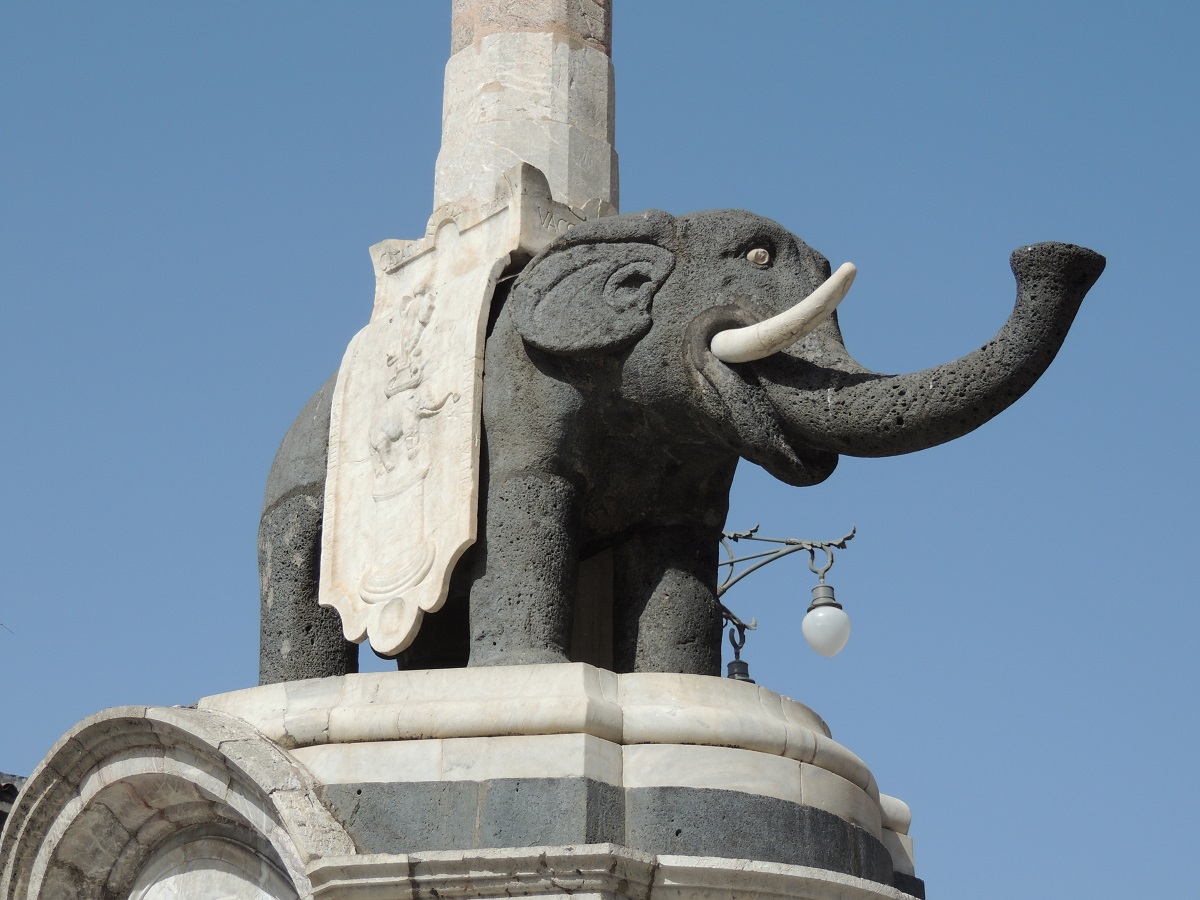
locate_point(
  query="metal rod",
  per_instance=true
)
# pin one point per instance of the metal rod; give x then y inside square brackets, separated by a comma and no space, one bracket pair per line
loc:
[785,546]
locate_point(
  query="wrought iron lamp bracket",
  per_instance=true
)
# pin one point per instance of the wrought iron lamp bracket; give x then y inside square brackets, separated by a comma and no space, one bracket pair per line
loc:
[755,561]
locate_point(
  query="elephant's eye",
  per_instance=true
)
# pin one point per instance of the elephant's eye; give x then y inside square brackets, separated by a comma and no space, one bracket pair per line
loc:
[759,256]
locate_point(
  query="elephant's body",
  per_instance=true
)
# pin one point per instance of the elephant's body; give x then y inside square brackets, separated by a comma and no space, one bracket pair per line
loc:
[592,471]
[609,424]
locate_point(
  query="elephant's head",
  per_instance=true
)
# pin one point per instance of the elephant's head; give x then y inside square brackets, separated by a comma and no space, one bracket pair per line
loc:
[671,298]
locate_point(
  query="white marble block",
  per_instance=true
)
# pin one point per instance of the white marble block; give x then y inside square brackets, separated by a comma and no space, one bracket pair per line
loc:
[529,82]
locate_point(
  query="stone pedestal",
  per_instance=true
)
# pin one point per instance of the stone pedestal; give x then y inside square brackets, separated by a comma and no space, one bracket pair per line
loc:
[521,781]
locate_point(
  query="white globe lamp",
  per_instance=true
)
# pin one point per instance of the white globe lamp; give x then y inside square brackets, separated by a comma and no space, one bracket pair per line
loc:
[826,626]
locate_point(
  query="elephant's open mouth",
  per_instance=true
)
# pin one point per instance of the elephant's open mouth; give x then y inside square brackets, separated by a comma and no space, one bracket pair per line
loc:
[732,395]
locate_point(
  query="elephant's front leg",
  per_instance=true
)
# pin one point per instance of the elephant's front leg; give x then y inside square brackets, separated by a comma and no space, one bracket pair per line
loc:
[523,604]
[664,600]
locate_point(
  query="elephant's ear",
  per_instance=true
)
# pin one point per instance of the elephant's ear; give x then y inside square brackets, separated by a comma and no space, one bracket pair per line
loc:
[590,298]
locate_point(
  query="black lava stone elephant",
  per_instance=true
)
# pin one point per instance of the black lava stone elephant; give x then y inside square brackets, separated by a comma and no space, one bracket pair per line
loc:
[611,423]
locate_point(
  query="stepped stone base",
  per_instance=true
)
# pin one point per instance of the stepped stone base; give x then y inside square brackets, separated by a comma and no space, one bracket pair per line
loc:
[521,781]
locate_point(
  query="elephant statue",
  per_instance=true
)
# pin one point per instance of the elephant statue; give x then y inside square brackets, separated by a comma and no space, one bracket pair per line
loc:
[628,367]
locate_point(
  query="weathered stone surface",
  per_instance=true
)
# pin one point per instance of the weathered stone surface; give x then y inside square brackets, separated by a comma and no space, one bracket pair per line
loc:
[384,817]
[909,884]
[721,768]
[900,846]
[304,452]
[515,813]
[151,802]
[297,638]
[592,872]
[529,82]
[211,866]
[586,21]
[546,699]
[398,817]
[467,759]
[687,821]
[387,817]
[127,786]
[896,814]
[434,704]
[570,723]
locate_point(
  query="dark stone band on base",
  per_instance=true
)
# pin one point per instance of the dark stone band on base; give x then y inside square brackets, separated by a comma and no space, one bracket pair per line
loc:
[390,817]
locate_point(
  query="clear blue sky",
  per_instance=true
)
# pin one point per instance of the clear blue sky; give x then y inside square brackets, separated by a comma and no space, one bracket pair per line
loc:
[187,194]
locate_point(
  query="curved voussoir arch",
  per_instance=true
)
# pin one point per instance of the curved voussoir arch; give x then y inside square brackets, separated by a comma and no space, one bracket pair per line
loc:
[135,796]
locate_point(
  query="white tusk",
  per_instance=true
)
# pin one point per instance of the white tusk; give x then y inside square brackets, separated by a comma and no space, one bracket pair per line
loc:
[761,339]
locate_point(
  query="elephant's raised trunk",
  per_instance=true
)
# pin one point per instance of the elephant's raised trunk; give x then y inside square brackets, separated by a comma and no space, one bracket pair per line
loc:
[836,405]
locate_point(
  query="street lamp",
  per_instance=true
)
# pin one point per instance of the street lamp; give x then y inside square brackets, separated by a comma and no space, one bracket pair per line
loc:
[826,626]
